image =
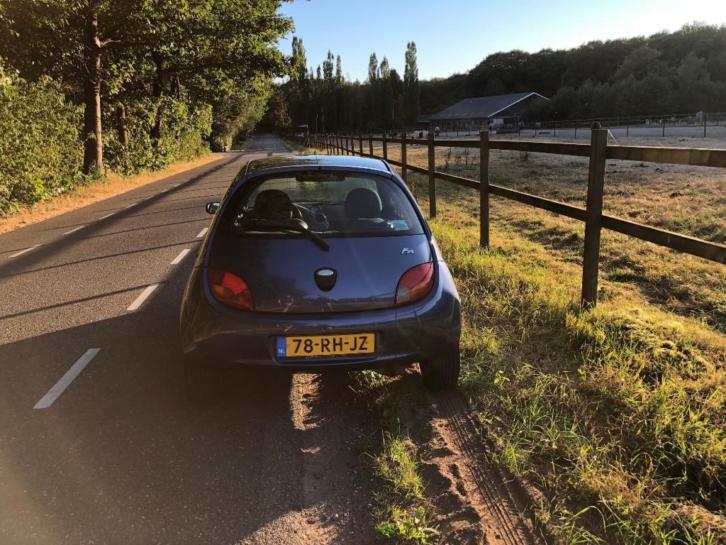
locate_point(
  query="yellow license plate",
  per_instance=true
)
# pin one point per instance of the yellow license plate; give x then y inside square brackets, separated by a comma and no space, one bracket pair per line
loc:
[326,345]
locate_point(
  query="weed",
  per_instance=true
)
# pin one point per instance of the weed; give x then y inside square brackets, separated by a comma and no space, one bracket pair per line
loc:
[407,525]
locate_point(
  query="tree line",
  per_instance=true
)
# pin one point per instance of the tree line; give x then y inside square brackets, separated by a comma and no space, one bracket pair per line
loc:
[140,82]
[324,100]
[669,72]
[666,73]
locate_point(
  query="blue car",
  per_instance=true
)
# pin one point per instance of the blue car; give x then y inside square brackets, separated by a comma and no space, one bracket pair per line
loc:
[314,263]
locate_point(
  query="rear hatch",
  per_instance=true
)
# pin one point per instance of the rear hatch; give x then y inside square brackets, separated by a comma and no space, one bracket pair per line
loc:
[281,270]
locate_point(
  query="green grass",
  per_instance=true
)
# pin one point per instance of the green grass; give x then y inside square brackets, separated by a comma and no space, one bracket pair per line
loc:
[396,464]
[618,410]
[401,508]
[407,525]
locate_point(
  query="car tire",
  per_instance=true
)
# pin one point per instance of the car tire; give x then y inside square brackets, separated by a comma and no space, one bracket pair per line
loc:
[441,372]
[201,382]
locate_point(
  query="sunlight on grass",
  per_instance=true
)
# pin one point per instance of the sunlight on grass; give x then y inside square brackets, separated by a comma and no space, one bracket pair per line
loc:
[619,409]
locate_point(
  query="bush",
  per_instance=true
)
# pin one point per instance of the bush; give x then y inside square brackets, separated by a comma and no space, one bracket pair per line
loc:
[183,129]
[40,151]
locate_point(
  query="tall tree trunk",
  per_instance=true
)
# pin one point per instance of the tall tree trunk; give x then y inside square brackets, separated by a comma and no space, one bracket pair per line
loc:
[92,127]
[121,126]
[157,91]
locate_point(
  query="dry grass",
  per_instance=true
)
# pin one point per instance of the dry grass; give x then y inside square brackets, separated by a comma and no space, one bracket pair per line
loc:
[684,199]
[113,184]
[617,414]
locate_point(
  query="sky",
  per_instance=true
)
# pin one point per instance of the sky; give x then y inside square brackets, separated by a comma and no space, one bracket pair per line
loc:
[455,35]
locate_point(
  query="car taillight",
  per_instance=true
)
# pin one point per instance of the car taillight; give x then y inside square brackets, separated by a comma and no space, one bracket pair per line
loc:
[230,289]
[415,284]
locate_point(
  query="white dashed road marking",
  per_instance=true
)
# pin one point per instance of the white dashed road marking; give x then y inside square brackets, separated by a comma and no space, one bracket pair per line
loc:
[21,252]
[107,215]
[130,205]
[203,232]
[65,381]
[181,256]
[148,290]
[74,230]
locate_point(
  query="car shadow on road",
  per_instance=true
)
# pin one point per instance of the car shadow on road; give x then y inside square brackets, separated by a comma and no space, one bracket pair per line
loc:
[122,457]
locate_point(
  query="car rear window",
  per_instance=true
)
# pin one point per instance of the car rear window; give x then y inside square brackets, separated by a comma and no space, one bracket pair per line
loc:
[330,203]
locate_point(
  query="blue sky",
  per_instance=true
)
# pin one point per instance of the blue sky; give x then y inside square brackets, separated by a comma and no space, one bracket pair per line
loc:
[455,35]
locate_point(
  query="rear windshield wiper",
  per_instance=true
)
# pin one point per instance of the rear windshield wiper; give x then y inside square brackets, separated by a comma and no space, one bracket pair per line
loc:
[298,226]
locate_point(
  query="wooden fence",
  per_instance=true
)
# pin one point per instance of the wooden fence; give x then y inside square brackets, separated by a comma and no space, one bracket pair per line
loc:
[598,152]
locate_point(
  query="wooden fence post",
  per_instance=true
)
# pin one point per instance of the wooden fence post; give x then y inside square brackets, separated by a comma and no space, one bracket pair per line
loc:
[432,176]
[370,145]
[593,215]
[360,144]
[404,170]
[484,189]
[704,124]
[385,147]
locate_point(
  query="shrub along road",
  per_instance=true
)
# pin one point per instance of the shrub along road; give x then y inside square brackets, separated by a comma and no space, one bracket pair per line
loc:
[119,456]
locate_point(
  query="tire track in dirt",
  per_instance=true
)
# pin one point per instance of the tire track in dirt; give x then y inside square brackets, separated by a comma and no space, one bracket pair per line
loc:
[455,446]
[336,484]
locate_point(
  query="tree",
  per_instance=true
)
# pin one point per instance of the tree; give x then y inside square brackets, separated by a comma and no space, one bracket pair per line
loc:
[66,40]
[372,68]
[640,62]
[338,70]
[694,82]
[411,90]
[194,52]
[298,60]
[386,92]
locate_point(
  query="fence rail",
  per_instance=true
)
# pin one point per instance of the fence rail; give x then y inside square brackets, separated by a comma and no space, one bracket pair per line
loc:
[691,124]
[598,152]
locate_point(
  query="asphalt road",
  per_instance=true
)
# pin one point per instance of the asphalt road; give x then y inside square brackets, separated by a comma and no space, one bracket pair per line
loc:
[119,455]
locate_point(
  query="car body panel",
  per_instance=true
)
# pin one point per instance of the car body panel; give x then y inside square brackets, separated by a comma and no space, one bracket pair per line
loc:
[280,271]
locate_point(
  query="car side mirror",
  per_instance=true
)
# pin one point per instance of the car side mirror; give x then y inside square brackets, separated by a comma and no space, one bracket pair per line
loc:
[212,207]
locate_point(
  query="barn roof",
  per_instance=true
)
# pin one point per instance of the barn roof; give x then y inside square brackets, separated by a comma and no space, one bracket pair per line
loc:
[481,107]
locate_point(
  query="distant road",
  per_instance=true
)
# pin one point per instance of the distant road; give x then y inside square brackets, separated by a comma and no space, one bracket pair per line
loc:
[97,441]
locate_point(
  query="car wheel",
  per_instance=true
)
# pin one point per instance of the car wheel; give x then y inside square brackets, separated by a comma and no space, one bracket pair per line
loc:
[201,381]
[442,372]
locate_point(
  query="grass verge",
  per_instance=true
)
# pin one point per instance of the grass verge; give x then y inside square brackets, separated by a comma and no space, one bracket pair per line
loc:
[401,510]
[616,414]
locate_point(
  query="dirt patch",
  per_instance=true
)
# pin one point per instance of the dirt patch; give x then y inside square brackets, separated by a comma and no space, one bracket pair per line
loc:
[335,480]
[468,500]
[94,192]
[477,500]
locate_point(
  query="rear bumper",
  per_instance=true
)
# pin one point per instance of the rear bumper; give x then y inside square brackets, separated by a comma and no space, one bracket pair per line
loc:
[213,334]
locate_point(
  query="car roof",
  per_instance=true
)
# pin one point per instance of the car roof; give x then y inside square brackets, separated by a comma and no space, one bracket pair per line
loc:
[316,161]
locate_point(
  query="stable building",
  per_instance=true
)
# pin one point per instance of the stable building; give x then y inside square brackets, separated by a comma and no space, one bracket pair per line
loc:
[497,112]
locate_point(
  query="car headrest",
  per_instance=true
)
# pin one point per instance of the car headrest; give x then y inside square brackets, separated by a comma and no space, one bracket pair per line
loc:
[272,204]
[363,203]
